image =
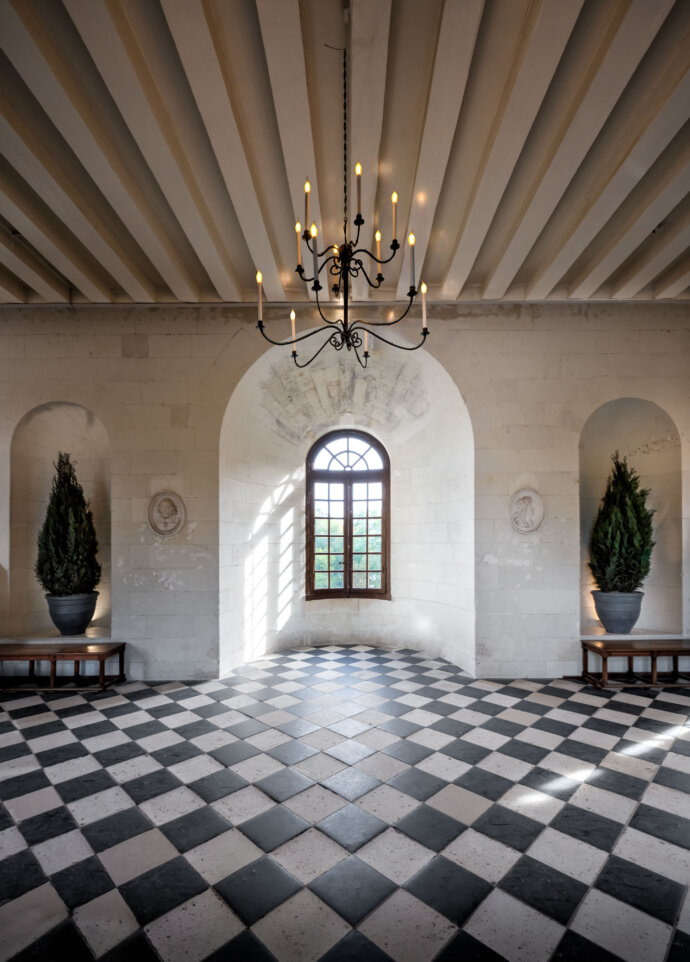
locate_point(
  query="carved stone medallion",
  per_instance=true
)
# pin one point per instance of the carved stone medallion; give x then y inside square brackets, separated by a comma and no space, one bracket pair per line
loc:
[526,510]
[167,513]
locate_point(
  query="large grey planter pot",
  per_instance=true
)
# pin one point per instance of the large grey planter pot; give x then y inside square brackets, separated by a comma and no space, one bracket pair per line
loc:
[72,614]
[618,610]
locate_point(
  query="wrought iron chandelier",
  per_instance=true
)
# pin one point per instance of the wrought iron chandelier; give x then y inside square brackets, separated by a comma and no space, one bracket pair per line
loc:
[339,264]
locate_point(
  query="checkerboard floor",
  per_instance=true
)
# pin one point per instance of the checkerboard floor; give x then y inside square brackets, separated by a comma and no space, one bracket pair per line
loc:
[345,804]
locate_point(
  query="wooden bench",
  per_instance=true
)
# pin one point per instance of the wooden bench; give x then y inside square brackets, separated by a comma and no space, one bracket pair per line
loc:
[631,648]
[53,652]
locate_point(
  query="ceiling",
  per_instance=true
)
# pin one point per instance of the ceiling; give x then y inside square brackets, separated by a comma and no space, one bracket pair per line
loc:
[155,151]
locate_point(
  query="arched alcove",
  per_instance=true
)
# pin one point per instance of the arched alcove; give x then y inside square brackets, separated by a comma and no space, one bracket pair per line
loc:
[644,433]
[412,406]
[39,436]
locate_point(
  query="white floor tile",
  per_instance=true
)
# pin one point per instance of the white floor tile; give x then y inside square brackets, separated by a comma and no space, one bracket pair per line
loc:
[223,855]
[309,855]
[105,921]
[395,855]
[482,855]
[621,929]
[568,855]
[301,929]
[513,929]
[407,929]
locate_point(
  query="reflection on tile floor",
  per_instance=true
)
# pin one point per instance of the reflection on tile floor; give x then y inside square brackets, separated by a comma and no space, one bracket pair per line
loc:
[345,804]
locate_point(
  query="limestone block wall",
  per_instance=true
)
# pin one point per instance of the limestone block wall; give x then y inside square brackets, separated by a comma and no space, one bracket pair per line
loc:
[160,380]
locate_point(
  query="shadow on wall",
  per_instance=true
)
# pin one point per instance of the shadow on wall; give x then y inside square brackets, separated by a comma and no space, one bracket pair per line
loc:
[645,434]
[37,439]
[411,405]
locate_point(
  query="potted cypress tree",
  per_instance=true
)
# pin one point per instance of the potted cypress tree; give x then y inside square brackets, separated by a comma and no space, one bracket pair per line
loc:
[621,548]
[66,565]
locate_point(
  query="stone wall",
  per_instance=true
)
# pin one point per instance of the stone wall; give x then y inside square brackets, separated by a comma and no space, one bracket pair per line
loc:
[160,381]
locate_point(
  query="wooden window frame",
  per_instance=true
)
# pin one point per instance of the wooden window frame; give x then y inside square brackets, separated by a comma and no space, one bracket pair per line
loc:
[347,478]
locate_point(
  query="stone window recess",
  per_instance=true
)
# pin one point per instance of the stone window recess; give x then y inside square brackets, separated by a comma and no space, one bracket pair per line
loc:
[348,517]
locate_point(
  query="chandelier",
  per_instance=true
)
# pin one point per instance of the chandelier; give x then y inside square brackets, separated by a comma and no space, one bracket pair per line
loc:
[334,267]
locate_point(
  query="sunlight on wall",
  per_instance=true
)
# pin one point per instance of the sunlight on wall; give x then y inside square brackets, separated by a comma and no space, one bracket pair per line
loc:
[256,600]
[285,568]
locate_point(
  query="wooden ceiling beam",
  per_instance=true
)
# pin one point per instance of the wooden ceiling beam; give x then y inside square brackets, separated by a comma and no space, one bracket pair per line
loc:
[546,33]
[598,95]
[674,281]
[190,31]
[11,290]
[17,258]
[455,48]
[667,245]
[282,37]
[104,30]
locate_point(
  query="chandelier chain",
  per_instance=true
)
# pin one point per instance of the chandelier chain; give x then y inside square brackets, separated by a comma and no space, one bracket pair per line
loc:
[345,145]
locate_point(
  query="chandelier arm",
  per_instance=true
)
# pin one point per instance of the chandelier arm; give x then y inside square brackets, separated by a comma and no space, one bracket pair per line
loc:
[329,340]
[362,363]
[368,324]
[328,326]
[374,285]
[395,247]
[321,314]
[401,347]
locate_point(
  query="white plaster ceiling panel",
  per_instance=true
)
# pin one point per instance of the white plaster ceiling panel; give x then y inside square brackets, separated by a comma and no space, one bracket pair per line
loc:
[155,151]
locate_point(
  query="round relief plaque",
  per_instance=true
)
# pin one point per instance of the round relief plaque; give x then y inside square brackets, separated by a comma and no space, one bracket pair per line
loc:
[526,510]
[167,513]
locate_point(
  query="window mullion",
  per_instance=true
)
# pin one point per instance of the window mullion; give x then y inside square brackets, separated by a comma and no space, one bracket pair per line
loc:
[347,501]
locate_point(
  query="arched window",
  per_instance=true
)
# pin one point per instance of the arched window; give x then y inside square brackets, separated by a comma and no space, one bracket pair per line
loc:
[348,512]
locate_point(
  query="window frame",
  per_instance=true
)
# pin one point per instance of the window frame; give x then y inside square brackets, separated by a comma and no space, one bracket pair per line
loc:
[348,478]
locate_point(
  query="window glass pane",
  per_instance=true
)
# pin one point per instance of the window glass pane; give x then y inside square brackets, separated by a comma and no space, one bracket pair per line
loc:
[374,581]
[374,545]
[321,562]
[336,545]
[321,460]
[321,545]
[359,445]
[359,579]
[336,527]
[336,581]
[374,526]
[336,492]
[375,490]
[359,492]
[360,527]
[359,509]
[336,562]
[336,509]
[374,562]
[320,580]
[359,544]
[321,526]
[320,491]
[359,562]
[373,459]
[321,509]
[374,509]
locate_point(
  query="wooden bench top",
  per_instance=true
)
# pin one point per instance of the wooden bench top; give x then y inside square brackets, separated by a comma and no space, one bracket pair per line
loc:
[60,649]
[637,646]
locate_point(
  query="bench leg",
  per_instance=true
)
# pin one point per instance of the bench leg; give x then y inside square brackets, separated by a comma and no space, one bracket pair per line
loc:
[101,673]
[604,671]
[32,668]
[122,665]
[585,663]
[52,672]
[76,672]
[675,667]
[654,678]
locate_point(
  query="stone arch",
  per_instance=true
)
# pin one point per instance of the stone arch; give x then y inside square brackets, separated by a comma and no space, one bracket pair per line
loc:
[39,435]
[649,438]
[413,407]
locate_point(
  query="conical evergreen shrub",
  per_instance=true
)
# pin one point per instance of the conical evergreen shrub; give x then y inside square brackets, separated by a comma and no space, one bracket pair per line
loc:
[621,545]
[67,546]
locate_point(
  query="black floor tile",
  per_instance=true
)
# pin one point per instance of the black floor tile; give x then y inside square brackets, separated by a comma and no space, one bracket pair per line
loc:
[136,948]
[465,948]
[353,889]
[289,753]
[680,948]
[284,784]
[243,948]
[673,779]
[487,784]
[247,728]
[508,827]
[557,785]
[576,948]
[618,782]
[663,825]
[450,726]
[19,874]
[409,752]
[195,827]
[465,751]
[23,785]
[10,752]
[257,888]
[118,753]
[62,942]
[430,827]
[116,828]
[218,785]
[89,784]
[355,948]
[420,785]
[50,824]
[161,889]
[146,729]
[587,827]
[524,751]
[545,889]
[350,783]
[273,828]
[449,889]
[63,753]
[82,882]
[233,753]
[149,786]
[401,727]
[173,754]
[351,827]
[648,891]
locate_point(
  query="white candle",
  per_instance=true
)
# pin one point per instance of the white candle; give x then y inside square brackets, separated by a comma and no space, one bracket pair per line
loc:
[298,232]
[410,241]
[378,245]
[314,234]
[424,325]
[292,322]
[394,199]
[261,306]
[366,342]
[307,188]
[358,172]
